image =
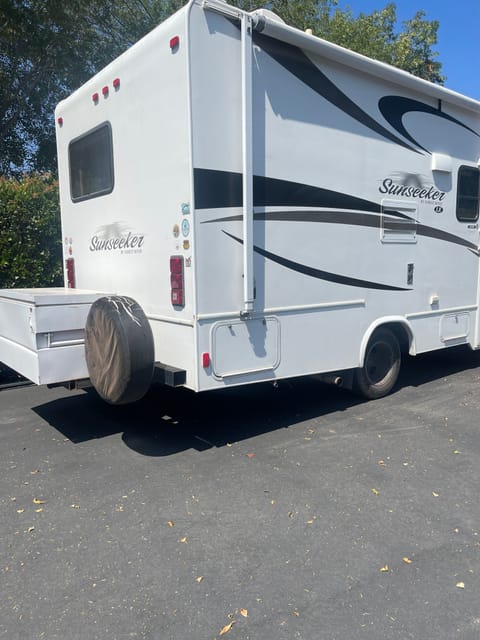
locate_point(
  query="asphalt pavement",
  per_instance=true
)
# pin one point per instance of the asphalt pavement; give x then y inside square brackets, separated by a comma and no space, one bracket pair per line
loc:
[272,513]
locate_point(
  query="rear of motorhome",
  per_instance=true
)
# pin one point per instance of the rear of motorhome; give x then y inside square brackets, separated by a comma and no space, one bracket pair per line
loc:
[244,202]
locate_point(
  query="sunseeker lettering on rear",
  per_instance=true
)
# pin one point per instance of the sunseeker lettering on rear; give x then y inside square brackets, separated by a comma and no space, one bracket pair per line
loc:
[116,237]
[409,190]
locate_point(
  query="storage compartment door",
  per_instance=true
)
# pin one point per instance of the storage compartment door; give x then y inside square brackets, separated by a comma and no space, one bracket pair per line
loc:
[245,346]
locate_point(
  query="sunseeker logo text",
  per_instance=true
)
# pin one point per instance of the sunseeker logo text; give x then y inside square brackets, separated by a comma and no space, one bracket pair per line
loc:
[117,237]
[411,185]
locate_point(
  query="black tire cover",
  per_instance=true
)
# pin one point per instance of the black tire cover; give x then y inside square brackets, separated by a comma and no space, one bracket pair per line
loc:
[119,349]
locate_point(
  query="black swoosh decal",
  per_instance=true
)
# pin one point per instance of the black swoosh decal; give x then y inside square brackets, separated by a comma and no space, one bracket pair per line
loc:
[318,273]
[217,189]
[294,60]
[221,189]
[272,192]
[393,108]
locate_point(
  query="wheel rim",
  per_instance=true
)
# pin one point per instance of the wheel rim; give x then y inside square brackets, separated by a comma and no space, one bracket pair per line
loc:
[379,362]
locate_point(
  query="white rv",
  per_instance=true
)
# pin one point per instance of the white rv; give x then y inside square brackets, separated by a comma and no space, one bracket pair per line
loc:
[242,202]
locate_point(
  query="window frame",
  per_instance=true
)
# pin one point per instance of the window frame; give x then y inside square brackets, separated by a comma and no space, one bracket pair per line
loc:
[109,156]
[462,196]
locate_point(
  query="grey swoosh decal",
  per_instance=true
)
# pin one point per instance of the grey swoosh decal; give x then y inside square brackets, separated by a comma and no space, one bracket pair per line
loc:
[351,218]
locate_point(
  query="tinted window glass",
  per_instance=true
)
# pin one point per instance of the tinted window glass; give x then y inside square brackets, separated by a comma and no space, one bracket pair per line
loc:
[91,164]
[467,193]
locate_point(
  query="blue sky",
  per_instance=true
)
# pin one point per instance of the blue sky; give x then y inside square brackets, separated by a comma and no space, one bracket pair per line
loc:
[458,35]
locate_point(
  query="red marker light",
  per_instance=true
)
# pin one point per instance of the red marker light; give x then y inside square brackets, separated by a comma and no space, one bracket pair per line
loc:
[70,269]
[105,92]
[205,360]
[177,285]
[116,84]
[60,122]
[174,43]
[95,97]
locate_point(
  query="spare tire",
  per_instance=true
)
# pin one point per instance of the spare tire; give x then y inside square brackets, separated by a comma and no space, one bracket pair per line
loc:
[119,349]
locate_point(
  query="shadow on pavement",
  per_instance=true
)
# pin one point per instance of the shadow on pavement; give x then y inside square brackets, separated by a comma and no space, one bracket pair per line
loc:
[168,421]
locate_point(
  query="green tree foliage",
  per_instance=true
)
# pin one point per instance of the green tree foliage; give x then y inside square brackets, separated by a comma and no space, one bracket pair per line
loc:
[50,47]
[46,50]
[30,234]
[376,35]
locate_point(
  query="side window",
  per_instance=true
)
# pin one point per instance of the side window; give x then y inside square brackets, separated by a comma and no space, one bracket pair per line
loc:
[468,188]
[91,164]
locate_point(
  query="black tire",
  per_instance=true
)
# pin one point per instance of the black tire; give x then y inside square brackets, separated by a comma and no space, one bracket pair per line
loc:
[119,349]
[381,366]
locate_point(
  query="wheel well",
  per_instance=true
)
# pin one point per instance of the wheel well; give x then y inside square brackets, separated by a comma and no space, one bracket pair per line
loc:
[402,334]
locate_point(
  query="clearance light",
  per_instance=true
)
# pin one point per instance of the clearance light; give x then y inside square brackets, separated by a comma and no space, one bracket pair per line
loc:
[70,268]
[177,281]
[116,84]
[174,43]
[105,92]
[60,121]
[205,360]
[95,97]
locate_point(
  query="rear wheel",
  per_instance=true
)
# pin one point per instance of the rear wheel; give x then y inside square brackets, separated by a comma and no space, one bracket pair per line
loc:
[381,366]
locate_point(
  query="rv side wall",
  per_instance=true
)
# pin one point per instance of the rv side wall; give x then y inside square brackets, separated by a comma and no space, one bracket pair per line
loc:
[356,216]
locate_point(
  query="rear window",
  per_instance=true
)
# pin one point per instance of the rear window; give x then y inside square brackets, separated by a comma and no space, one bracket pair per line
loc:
[91,164]
[468,194]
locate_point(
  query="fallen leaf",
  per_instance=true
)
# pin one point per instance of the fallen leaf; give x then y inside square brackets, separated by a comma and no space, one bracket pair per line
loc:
[381,463]
[290,514]
[227,628]
[171,523]
[250,455]
[457,451]
[460,585]
[20,510]
[244,613]
[310,521]
[38,501]
[184,539]
[296,614]
[434,494]
[75,506]
[39,510]
[199,579]
[272,501]
[407,560]
[375,491]
[384,568]
[30,529]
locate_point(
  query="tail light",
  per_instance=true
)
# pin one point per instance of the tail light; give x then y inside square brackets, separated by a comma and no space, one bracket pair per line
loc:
[70,268]
[177,281]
